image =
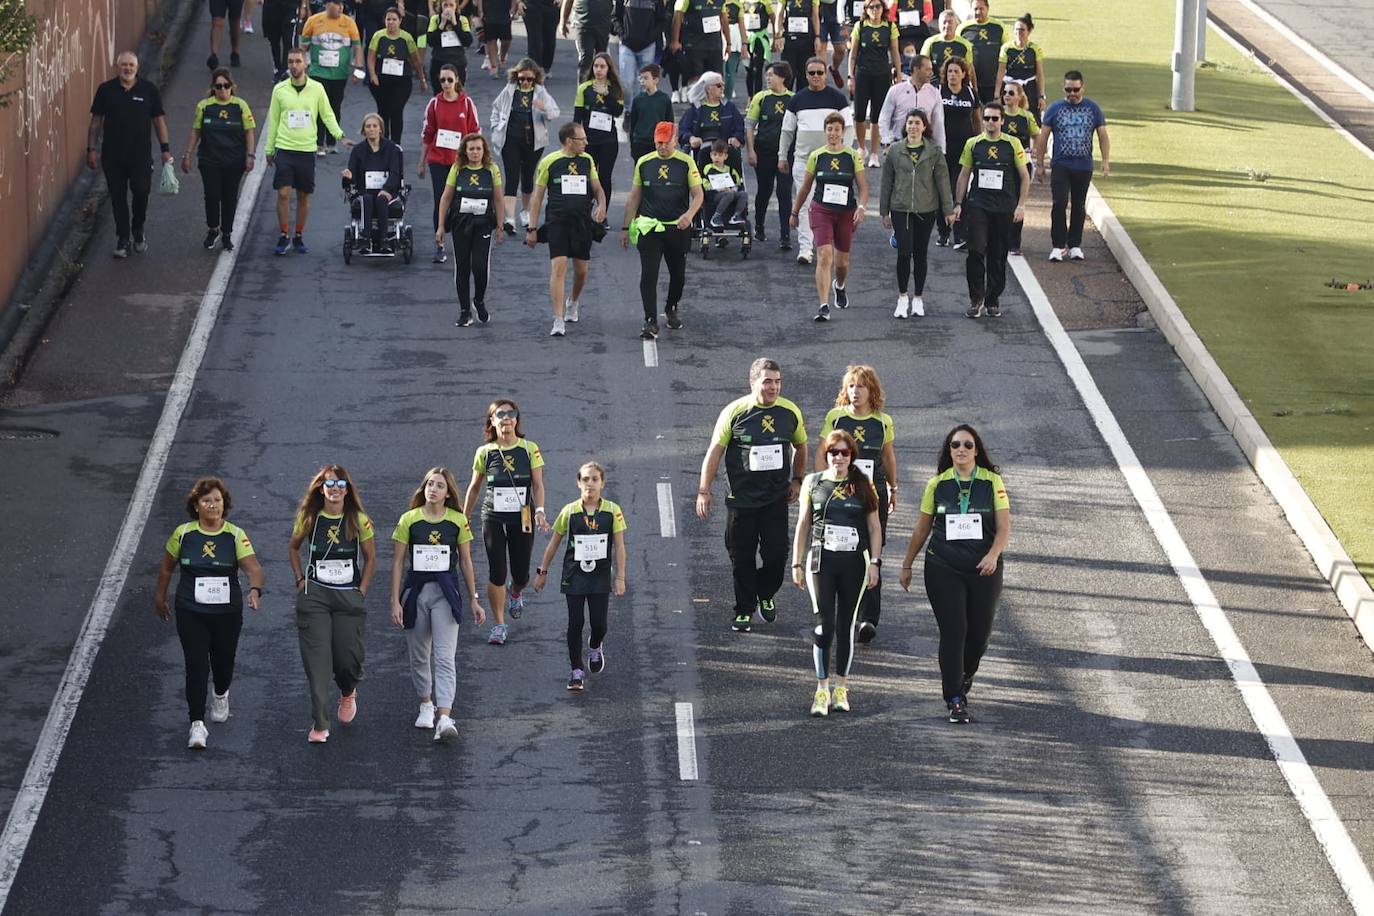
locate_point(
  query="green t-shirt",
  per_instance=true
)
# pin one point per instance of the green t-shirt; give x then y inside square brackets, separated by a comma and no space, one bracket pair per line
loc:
[945,495]
[758,443]
[331,44]
[994,184]
[569,180]
[665,184]
[209,582]
[769,109]
[334,560]
[839,522]
[836,187]
[871,432]
[591,535]
[433,545]
[509,474]
[393,54]
[223,131]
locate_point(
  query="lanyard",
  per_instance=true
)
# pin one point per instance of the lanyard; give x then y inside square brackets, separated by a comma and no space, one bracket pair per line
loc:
[964,492]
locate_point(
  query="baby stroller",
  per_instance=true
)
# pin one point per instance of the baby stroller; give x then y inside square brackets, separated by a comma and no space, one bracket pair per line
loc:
[711,237]
[400,235]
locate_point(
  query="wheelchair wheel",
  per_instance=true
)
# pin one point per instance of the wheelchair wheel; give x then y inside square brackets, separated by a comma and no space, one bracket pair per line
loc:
[407,245]
[348,245]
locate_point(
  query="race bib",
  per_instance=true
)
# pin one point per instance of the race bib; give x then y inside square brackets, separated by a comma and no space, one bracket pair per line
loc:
[753,22]
[449,39]
[835,194]
[297,119]
[448,139]
[721,181]
[765,457]
[841,538]
[990,179]
[429,557]
[798,25]
[865,465]
[374,181]
[588,548]
[601,121]
[710,25]
[212,589]
[507,499]
[334,572]
[964,527]
[393,66]
[329,57]
[574,184]
[909,18]
[478,206]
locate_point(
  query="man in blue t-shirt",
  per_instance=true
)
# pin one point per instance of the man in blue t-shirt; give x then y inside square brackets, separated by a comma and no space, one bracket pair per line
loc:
[1073,120]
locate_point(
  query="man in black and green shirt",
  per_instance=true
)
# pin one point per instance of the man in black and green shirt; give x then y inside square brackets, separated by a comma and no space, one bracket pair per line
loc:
[994,185]
[762,438]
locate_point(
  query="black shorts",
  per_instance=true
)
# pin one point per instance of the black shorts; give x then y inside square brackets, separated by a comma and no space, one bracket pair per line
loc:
[496,31]
[294,170]
[226,9]
[870,90]
[567,239]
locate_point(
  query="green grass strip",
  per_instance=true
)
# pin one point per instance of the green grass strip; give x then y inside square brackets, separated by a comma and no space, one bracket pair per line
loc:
[1246,209]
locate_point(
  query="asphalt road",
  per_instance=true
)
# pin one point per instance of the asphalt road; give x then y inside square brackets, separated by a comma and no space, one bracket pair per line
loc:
[1113,766]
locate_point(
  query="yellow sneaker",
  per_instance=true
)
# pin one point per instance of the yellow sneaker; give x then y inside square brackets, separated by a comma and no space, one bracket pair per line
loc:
[840,699]
[820,706]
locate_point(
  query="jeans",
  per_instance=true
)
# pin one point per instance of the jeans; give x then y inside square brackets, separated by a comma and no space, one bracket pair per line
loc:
[1068,191]
[630,62]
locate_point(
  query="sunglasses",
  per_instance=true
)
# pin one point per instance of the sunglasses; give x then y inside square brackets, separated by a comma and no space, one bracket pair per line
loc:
[524,79]
[992,117]
[447,79]
[838,452]
[505,415]
[961,443]
[1072,90]
[224,85]
[815,73]
[336,484]
[1009,92]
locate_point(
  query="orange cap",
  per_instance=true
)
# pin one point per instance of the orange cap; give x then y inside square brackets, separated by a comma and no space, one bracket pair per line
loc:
[664,131]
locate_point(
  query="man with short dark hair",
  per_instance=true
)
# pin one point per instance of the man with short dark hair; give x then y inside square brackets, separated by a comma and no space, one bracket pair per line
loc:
[298,113]
[124,108]
[1073,120]
[991,195]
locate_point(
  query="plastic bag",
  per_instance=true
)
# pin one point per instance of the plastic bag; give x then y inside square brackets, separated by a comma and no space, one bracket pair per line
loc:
[169,185]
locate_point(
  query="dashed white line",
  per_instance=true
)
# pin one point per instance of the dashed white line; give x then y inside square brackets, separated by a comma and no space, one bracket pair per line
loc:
[686,742]
[667,522]
[650,353]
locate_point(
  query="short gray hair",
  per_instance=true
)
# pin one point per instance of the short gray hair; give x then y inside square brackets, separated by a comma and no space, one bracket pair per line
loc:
[761,365]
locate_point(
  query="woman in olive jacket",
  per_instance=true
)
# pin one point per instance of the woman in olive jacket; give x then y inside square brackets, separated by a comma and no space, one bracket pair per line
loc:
[915,193]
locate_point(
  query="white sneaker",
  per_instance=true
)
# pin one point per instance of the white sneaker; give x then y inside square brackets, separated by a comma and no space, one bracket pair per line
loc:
[569,309]
[199,735]
[559,328]
[1075,254]
[525,218]
[426,717]
[486,64]
[219,707]
[903,306]
[445,730]
[918,306]
[1056,254]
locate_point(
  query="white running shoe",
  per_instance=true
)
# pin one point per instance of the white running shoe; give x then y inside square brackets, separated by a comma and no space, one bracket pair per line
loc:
[199,735]
[903,306]
[559,328]
[569,309]
[1056,254]
[1075,254]
[446,729]
[525,218]
[219,707]
[918,306]
[426,717]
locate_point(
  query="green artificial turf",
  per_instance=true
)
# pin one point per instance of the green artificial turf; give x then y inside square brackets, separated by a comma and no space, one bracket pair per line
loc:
[1246,208]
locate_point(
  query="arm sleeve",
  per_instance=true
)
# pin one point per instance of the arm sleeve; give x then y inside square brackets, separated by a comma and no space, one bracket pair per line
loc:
[789,132]
[618,524]
[155,103]
[402,533]
[928,497]
[551,109]
[886,129]
[885,190]
[428,128]
[999,493]
[242,546]
[828,424]
[174,543]
[395,170]
[464,528]
[249,122]
[536,456]
[751,113]
[966,157]
[798,434]
[269,145]
[721,434]
[560,524]
[687,126]
[937,124]
[365,529]
[737,120]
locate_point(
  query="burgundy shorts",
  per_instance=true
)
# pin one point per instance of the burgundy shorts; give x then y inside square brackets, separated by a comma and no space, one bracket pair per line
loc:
[832,227]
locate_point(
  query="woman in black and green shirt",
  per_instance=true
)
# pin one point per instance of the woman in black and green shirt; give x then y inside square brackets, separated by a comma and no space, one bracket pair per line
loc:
[223,128]
[596,105]
[967,518]
[209,600]
[594,527]
[393,62]
[836,554]
[472,207]
[836,211]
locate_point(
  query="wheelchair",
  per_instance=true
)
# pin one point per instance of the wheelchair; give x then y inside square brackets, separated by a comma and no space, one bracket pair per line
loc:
[400,238]
[708,238]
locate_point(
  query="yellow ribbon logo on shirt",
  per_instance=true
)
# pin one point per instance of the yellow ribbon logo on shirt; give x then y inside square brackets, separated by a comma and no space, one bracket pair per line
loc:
[472,180]
[572,168]
[768,424]
[858,434]
[992,152]
[208,550]
[332,535]
[663,172]
[434,537]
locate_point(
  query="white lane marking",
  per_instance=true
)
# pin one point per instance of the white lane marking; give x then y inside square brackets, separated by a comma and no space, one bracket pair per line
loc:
[1331,834]
[667,523]
[28,801]
[686,742]
[1306,47]
[651,353]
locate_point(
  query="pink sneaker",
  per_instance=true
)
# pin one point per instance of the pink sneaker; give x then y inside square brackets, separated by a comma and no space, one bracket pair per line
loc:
[348,707]
[318,737]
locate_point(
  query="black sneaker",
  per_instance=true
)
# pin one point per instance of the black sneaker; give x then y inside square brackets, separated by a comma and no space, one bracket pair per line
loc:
[509,227]
[974,310]
[464,320]
[211,237]
[575,680]
[212,61]
[993,309]
[942,241]
[867,631]
[226,242]
[482,314]
[958,711]
[965,687]
[121,248]
[759,234]
[674,320]
[283,244]
[823,313]
[140,242]
[841,297]
[742,623]
[234,59]
[596,660]
[768,609]
[717,223]
[784,243]
[650,331]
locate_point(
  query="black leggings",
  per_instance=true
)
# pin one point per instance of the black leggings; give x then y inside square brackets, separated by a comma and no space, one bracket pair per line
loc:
[541,28]
[952,163]
[836,592]
[769,180]
[759,53]
[391,97]
[1014,236]
[502,537]
[604,155]
[597,607]
[870,90]
[438,175]
[913,238]
[209,643]
[276,28]
[472,265]
[871,605]
[334,91]
[518,161]
[221,186]
[669,246]
[964,605]
[376,217]
[797,51]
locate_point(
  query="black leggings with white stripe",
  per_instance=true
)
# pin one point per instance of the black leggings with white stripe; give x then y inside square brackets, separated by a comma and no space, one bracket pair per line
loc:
[835,595]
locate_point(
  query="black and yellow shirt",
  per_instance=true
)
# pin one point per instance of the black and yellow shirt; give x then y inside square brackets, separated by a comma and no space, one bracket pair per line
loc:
[446,45]
[591,535]
[521,122]
[708,124]
[757,14]
[223,131]
[209,582]
[986,40]
[736,180]
[871,432]
[1021,125]
[334,559]
[872,42]
[700,18]
[758,443]
[665,184]
[952,541]
[433,545]
[906,21]
[839,522]
[768,109]
[835,171]
[509,474]
[474,189]
[595,111]
[797,26]
[393,54]
[1021,62]
[995,182]
[939,50]
[569,180]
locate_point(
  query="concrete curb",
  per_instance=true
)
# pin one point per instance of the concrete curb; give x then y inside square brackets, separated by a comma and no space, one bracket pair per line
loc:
[1353,592]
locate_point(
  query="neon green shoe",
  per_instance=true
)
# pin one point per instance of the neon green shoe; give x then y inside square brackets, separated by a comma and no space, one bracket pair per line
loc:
[820,706]
[840,700]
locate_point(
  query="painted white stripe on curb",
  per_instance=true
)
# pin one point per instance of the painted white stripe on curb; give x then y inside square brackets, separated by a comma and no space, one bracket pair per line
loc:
[667,521]
[1336,70]
[650,353]
[28,801]
[686,743]
[1331,834]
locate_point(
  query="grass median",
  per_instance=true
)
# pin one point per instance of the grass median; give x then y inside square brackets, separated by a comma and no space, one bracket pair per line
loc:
[1246,208]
